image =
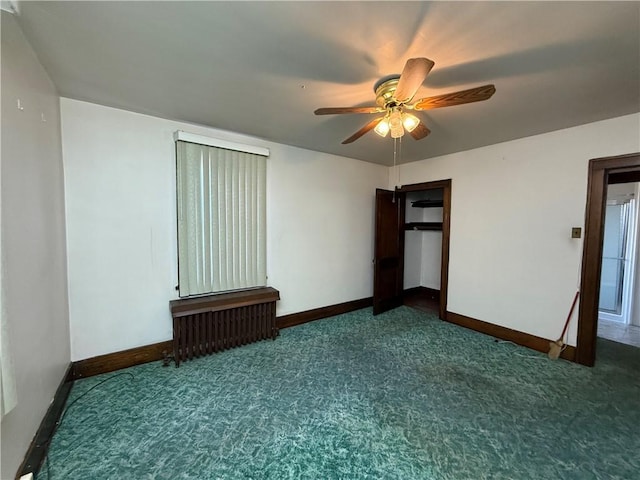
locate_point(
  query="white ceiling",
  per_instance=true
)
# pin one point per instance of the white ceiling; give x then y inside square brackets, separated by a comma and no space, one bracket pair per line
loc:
[262,68]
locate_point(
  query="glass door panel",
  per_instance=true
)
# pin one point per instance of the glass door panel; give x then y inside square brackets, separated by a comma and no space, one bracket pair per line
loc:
[613,258]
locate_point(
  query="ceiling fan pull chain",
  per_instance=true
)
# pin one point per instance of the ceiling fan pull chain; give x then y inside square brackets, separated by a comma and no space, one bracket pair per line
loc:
[397,168]
[395,152]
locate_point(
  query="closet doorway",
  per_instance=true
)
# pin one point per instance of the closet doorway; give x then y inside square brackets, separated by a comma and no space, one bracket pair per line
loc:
[411,222]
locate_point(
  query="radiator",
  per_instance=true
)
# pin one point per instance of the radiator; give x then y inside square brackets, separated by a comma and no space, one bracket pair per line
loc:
[205,325]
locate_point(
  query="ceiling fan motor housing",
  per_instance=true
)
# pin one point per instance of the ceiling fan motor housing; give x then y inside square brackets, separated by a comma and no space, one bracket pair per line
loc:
[385,90]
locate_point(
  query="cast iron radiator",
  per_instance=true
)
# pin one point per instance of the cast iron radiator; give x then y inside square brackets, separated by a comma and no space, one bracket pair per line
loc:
[205,325]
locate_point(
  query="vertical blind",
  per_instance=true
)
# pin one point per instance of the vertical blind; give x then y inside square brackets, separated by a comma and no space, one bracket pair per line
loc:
[221,219]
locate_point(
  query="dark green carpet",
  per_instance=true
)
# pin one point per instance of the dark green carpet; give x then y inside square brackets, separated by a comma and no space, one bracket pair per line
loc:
[397,396]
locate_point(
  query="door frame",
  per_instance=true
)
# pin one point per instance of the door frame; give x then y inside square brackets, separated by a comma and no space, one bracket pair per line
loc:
[445,185]
[601,171]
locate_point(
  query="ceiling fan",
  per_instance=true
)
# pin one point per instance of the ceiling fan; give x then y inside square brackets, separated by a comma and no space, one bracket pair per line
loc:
[394,94]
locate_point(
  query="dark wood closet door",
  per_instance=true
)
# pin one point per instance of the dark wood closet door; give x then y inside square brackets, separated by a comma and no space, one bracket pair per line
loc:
[388,259]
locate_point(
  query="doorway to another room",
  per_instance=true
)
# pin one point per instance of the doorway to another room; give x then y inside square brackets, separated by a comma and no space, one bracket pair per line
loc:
[618,308]
[603,172]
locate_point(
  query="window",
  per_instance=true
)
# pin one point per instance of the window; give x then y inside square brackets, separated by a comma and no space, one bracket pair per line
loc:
[221,196]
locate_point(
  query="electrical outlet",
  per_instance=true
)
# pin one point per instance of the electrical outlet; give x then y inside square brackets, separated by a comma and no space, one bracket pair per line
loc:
[576,232]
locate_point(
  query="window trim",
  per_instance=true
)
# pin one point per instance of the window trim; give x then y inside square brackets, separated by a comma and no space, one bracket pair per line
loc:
[183,136]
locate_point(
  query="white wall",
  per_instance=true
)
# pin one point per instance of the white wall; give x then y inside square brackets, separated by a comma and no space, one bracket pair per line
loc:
[431,250]
[621,191]
[512,261]
[431,259]
[33,241]
[412,259]
[120,196]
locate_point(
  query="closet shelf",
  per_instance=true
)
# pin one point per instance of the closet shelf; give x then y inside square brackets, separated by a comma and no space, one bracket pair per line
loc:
[427,203]
[423,226]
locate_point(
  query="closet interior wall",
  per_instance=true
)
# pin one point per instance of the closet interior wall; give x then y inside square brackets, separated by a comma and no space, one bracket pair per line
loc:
[423,239]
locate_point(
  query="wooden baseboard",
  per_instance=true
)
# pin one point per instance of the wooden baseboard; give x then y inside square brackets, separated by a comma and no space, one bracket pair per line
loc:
[299,318]
[118,360]
[525,339]
[39,446]
[150,353]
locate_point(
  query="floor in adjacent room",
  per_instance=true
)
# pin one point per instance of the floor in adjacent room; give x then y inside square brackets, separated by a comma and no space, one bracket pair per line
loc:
[401,395]
[424,300]
[619,332]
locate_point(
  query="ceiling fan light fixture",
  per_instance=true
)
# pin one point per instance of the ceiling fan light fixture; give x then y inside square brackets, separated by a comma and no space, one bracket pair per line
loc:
[410,122]
[382,128]
[397,132]
[395,123]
